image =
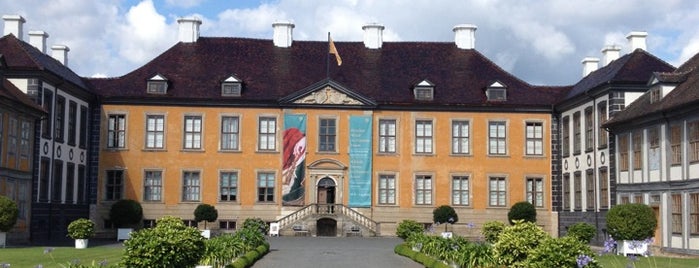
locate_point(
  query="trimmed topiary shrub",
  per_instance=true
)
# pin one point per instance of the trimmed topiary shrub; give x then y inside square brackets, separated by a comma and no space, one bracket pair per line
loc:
[491,231]
[522,211]
[444,214]
[516,242]
[8,213]
[407,227]
[631,222]
[206,213]
[562,252]
[169,244]
[126,213]
[81,229]
[582,231]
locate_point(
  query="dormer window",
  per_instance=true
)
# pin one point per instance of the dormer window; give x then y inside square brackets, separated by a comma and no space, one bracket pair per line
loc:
[231,87]
[496,92]
[424,91]
[656,93]
[157,85]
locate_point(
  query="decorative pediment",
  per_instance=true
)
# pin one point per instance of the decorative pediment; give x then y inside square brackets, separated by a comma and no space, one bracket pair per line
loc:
[327,95]
[327,164]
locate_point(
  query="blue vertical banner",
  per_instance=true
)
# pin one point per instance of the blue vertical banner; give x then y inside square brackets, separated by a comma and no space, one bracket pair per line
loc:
[360,161]
[294,159]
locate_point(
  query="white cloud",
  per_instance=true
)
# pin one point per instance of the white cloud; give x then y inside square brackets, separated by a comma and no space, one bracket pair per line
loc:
[144,33]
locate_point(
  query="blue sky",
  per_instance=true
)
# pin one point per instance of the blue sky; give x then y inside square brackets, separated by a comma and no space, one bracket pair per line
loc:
[539,41]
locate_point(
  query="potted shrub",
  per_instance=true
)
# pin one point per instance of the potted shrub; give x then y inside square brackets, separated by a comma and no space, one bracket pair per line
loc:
[8,217]
[445,214]
[206,213]
[81,230]
[632,226]
[125,214]
[522,211]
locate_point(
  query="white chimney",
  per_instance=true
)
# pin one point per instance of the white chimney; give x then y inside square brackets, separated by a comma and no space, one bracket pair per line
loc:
[13,25]
[610,53]
[38,40]
[637,40]
[60,53]
[589,65]
[373,35]
[283,33]
[189,29]
[465,36]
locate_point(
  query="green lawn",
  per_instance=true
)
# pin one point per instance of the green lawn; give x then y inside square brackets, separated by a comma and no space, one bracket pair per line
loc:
[614,261]
[60,256]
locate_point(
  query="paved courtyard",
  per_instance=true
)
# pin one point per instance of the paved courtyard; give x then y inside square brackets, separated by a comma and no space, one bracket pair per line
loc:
[335,252]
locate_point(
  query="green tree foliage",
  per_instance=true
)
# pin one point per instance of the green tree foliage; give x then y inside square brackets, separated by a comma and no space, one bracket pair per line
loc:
[561,252]
[631,222]
[206,213]
[256,223]
[126,213]
[8,213]
[582,231]
[169,244]
[444,214]
[81,229]
[491,231]
[522,211]
[407,227]
[516,242]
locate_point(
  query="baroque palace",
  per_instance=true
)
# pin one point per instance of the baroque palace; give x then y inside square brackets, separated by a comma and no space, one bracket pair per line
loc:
[341,138]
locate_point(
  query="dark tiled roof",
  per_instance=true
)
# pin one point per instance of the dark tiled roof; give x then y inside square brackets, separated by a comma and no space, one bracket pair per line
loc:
[386,75]
[633,68]
[684,95]
[12,93]
[21,55]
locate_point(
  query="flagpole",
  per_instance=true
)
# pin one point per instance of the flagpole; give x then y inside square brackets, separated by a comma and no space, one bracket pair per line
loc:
[327,59]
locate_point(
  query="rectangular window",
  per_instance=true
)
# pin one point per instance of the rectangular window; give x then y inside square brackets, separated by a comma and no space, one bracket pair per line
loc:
[535,192]
[44,175]
[387,189]
[604,188]
[676,214]
[13,136]
[459,190]
[423,136]
[114,185]
[638,198]
[226,225]
[70,183]
[24,140]
[81,184]
[387,136]
[654,138]
[153,185]
[83,127]
[265,187]
[72,122]
[624,152]
[116,131]
[577,190]
[497,192]
[576,133]
[460,137]
[192,132]
[637,143]
[497,138]
[676,144]
[423,190]
[155,131]
[603,136]
[565,131]
[326,135]
[23,193]
[566,191]
[59,118]
[589,127]
[267,134]
[535,138]
[624,199]
[590,189]
[48,106]
[229,186]
[57,192]
[190,186]
[694,213]
[230,132]
[693,139]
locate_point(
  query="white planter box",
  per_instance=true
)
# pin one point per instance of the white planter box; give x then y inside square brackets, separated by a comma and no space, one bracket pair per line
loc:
[124,233]
[80,243]
[206,234]
[627,247]
[447,234]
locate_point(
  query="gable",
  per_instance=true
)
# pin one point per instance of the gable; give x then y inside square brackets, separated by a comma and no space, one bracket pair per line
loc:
[327,93]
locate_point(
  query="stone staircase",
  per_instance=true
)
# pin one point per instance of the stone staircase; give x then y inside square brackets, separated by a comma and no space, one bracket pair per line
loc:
[348,222]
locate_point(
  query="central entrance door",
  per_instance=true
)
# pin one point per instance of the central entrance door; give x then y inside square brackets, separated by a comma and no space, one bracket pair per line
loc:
[326,191]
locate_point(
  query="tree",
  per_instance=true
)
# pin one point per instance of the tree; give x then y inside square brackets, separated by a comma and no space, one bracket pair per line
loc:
[631,222]
[126,212]
[169,244]
[8,214]
[205,212]
[445,214]
[522,211]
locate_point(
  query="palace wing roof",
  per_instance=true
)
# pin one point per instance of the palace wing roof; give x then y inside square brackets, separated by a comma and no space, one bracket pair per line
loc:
[10,92]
